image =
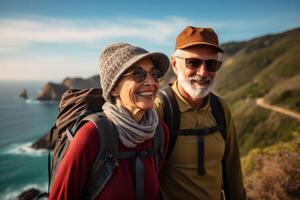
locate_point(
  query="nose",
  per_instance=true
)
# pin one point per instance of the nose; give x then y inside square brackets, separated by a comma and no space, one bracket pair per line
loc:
[149,79]
[202,71]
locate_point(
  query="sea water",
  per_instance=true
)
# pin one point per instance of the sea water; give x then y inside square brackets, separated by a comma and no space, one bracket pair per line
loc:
[22,122]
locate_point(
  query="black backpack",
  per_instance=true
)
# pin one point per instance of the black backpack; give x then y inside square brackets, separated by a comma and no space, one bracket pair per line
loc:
[172,119]
[79,106]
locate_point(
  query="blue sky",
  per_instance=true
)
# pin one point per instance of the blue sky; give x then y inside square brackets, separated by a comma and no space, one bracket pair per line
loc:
[49,40]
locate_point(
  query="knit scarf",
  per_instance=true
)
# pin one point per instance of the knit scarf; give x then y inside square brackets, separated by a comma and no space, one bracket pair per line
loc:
[131,133]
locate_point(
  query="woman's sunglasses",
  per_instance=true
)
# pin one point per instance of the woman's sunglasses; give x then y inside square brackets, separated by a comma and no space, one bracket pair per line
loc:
[195,63]
[139,75]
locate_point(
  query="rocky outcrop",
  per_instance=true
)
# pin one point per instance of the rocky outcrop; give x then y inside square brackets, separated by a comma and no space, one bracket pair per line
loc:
[54,91]
[79,83]
[95,80]
[44,143]
[29,194]
[23,94]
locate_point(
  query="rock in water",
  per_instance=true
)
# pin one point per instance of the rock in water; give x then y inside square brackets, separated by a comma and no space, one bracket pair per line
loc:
[29,194]
[23,94]
[44,142]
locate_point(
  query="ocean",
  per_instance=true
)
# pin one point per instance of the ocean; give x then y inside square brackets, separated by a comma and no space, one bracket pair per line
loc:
[22,122]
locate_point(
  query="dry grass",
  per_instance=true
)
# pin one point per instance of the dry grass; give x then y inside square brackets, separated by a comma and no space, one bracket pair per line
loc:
[275,176]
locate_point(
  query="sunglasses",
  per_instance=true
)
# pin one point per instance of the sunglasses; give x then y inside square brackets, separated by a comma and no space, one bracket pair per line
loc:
[139,75]
[195,63]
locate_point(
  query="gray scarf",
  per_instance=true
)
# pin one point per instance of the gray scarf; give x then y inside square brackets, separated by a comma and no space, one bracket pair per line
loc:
[131,133]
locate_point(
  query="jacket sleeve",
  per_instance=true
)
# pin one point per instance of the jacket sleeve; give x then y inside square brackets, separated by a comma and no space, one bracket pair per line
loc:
[74,167]
[234,188]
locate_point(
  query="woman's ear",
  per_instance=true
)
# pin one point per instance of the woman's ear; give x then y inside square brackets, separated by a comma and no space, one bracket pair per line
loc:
[115,92]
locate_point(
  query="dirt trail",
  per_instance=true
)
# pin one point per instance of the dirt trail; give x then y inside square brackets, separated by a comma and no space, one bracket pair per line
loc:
[260,102]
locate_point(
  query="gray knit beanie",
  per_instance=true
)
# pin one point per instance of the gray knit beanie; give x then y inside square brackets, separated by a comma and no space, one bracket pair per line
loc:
[119,57]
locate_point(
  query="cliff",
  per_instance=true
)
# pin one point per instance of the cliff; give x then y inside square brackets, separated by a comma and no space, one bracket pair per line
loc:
[51,91]
[54,91]
[80,83]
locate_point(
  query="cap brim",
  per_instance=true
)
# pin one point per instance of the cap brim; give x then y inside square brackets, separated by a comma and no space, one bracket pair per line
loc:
[200,44]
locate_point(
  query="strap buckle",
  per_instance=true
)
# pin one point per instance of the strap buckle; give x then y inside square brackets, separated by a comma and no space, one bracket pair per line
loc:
[143,154]
[109,155]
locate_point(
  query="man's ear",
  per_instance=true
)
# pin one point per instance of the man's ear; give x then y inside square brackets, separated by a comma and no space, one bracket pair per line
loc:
[173,62]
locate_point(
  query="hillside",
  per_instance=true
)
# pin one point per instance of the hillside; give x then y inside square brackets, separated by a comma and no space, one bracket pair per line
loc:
[266,67]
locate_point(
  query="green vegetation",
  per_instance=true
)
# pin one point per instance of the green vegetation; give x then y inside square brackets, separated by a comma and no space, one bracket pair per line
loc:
[286,94]
[259,128]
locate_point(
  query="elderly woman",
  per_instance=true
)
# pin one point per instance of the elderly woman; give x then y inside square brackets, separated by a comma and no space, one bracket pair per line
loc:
[130,80]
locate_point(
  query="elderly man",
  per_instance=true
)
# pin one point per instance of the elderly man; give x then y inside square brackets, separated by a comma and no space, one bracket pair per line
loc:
[203,160]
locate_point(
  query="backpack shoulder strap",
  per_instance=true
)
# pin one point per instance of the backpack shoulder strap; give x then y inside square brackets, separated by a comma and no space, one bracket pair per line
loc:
[218,113]
[170,107]
[159,145]
[171,114]
[103,167]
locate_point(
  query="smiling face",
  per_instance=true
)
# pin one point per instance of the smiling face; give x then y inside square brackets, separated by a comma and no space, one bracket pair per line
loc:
[194,84]
[137,97]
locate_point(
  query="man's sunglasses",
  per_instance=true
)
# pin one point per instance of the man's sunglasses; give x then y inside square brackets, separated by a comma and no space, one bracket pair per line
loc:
[139,75]
[195,63]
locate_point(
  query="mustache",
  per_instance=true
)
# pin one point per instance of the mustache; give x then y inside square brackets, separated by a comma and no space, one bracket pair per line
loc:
[200,78]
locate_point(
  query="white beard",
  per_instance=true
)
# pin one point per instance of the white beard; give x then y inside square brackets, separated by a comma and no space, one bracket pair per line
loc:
[194,90]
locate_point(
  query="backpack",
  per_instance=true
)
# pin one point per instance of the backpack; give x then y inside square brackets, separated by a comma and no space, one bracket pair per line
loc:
[172,119]
[79,106]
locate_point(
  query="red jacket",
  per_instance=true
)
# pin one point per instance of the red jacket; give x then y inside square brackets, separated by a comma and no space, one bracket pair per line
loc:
[74,168]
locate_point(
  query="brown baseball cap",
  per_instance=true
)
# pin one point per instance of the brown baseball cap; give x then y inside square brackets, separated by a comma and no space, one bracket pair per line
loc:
[191,36]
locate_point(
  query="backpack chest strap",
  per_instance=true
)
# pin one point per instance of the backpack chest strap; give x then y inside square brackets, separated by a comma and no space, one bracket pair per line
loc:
[197,132]
[200,133]
[139,166]
[131,154]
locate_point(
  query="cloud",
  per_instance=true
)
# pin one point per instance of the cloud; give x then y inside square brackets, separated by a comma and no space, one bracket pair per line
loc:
[47,67]
[47,48]
[52,48]
[16,34]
